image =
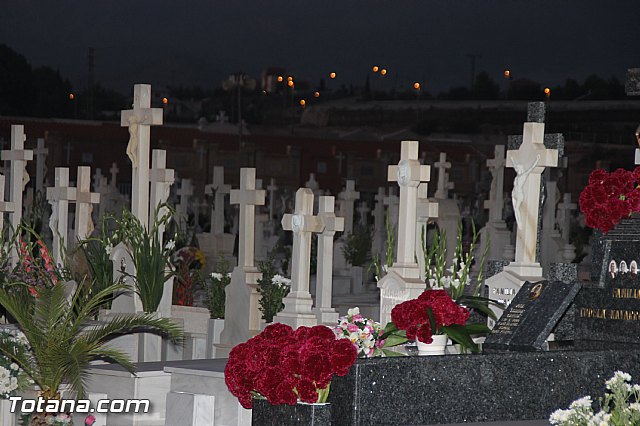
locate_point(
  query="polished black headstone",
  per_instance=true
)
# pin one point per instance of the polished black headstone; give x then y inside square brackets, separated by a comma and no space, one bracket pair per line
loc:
[527,322]
[610,310]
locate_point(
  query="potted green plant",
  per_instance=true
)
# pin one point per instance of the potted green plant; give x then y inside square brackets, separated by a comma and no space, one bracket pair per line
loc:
[60,339]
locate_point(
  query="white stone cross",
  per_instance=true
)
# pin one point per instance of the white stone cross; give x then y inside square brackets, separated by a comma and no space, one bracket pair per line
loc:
[84,203]
[564,216]
[408,173]
[529,161]
[161,180]
[185,192]
[442,191]
[247,197]
[18,157]
[5,206]
[363,211]
[346,199]
[272,188]
[426,210]
[114,170]
[41,166]
[325,314]
[218,188]
[297,305]
[495,202]
[139,121]
[59,196]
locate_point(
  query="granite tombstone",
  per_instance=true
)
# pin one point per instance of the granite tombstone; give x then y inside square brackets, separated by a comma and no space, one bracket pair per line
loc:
[610,310]
[527,322]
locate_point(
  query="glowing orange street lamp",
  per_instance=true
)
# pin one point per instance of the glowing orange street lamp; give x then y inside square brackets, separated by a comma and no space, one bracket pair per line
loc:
[165,101]
[383,71]
[507,74]
[375,68]
[289,78]
[290,83]
[303,103]
[332,75]
[547,92]
[71,96]
[316,94]
[416,85]
[280,79]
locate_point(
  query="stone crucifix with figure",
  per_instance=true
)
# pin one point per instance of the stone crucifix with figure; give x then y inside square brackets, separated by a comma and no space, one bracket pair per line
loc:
[297,305]
[403,280]
[529,161]
[85,199]
[139,121]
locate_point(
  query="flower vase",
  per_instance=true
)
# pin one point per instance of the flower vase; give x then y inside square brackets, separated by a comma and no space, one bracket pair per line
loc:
[437,347]
[265,414]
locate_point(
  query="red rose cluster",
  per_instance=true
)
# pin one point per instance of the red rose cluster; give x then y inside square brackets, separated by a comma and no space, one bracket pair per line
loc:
[412,315]
[609,197]
[285,366]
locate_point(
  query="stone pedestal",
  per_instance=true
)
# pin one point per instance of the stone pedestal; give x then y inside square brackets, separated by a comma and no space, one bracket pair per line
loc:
[206,377]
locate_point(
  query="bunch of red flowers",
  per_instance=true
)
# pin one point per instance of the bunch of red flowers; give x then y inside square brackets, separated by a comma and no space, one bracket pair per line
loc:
[285,366]
[413,315]
[610,197]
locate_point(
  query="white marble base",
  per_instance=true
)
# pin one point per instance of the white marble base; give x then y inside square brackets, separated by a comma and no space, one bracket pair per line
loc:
[7,418]
[326,316]
[186,409]
[206,377]
[297,310]
[101,418]
[214,329]
[150,383]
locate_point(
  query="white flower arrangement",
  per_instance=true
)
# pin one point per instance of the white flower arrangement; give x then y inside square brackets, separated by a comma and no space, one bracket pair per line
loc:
[619,407]
[12,377]
[281,281]
[218,276]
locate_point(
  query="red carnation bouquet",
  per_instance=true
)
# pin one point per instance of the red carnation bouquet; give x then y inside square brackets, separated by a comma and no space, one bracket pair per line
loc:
[435,312]
[609,197]
[284,366]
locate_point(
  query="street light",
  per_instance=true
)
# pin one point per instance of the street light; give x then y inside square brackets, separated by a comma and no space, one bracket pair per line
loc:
[316,94]
[303,103]
[332,75]
[547,92]
[375,68]
[383,72]
[165,101]
[416,85]
[507,74]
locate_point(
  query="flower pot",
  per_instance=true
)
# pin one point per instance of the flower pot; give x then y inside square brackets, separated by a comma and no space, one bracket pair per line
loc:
[437,347]
[265,414]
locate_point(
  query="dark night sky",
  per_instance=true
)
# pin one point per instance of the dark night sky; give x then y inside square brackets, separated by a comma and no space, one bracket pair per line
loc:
[201,41]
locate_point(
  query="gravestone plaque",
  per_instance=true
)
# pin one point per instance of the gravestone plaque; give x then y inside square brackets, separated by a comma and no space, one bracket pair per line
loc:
[610,311]
[532,314]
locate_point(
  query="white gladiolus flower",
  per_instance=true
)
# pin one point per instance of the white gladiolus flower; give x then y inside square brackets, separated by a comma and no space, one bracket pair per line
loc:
[216,276]
[353,311]
[108,249]
[634,406]
[14,366]
[170,245]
